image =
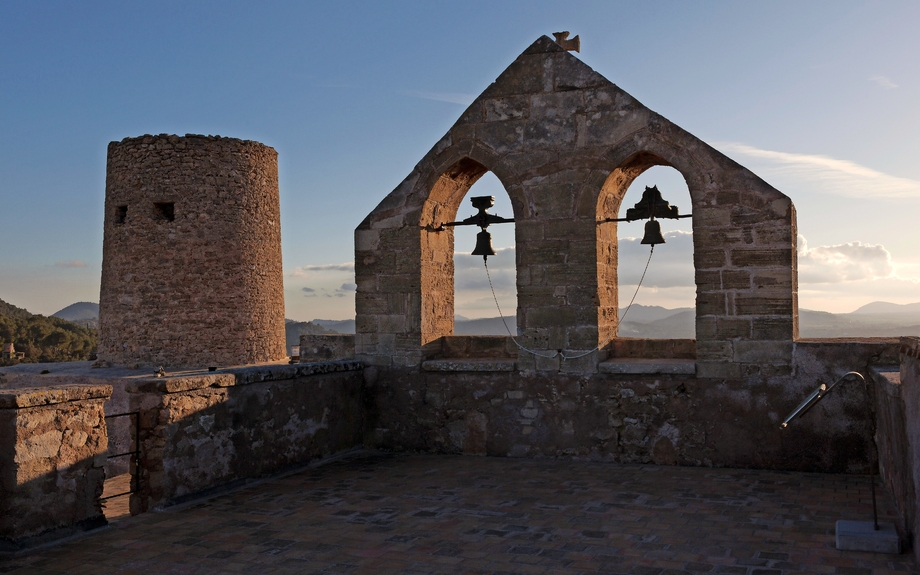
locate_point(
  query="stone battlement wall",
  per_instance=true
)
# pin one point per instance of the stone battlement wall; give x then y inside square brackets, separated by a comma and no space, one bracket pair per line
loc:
[191,271]
[488,407]
[207,430]
[53,445]
[898,436]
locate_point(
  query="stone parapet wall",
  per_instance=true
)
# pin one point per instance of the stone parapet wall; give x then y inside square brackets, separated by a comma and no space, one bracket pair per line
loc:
[315,348]
[208,430]
[659,418]
[53,445]
[191,271]
[898,437]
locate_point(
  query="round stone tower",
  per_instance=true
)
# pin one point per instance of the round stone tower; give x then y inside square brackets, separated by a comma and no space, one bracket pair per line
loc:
[191,256]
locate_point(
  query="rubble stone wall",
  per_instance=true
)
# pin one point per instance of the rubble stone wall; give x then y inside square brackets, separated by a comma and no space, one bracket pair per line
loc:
[191,271]
[202,431]
[53,446]
[640,418]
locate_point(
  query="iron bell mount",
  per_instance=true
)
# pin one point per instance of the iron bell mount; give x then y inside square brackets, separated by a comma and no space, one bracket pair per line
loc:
[483,219]
[651,206]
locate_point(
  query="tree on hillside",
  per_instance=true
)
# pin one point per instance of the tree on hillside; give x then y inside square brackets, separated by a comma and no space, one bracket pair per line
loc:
[44,339]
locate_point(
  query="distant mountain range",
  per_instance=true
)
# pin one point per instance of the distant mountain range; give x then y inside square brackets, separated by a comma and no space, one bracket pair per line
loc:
[876,319]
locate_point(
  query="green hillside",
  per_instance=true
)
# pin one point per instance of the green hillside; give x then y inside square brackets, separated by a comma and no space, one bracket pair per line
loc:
[43,339]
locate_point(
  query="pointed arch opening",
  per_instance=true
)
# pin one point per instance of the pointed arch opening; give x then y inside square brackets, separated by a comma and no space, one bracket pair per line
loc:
[664,304]
[445,252]
[475,310]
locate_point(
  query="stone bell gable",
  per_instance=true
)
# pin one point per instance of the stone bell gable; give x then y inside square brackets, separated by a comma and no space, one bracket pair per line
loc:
[566,143]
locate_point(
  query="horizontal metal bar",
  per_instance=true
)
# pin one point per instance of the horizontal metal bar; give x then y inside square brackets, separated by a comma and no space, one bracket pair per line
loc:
[116,495]
[123,414]
[640,219]
[136,453]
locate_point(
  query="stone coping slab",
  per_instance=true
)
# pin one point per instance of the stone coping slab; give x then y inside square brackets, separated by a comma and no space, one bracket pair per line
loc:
[892,373]
[478,365]
[635,366]
[239,376]
[38,396]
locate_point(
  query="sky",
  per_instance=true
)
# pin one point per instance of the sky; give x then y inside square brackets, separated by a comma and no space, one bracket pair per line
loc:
[820,99]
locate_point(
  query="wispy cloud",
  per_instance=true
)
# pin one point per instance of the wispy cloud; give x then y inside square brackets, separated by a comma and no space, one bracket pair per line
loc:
[71,264]
[304,271]
[883,82]
[823,173]
[452,97]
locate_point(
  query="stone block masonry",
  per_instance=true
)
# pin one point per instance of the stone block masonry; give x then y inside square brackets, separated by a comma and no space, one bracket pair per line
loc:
[191,269]
[52,454]
[201,431]
[898,437]
[566,143]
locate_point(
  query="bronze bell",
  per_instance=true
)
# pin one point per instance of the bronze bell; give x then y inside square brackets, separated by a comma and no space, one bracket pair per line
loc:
[484,245]
[652,233]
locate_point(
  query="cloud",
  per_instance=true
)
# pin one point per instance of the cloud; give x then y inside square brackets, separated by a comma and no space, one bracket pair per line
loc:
[308,291]
[347,287]
[452,97]
[848,262]
[825,174]
[671,264]
[304,271]
[883,82]
[71,264]
[470,273]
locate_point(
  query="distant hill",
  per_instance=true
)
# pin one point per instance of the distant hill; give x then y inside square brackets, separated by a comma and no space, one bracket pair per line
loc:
[337,325]
[485,326]
[79,310]
[83,313]
[884,307]
[656,322]
[9,310]
[294,329]
[679,325]
[648,313]
[43,338]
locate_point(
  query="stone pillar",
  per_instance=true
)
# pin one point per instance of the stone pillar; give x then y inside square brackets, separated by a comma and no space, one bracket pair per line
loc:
[53,445]
[191,264]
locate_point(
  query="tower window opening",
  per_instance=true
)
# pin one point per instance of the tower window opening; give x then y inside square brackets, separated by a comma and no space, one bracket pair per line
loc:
[164,211]
[121,214]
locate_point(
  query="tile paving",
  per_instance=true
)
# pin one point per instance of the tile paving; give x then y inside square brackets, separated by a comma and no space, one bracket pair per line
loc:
[382,513]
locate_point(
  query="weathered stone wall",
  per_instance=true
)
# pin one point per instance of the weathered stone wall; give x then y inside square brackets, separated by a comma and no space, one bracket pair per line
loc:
[315,348]
[898,436]
[566,143]
[658,418]
[53,445]
[191,270]
[203,431]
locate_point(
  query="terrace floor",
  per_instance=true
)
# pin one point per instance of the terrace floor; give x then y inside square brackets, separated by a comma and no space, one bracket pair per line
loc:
[381,513]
